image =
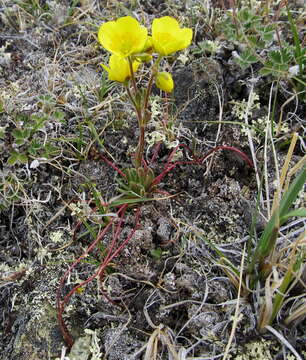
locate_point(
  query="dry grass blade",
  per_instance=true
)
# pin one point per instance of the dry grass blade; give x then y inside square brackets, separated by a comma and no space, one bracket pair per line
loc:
[233,276]
[236,315]
[297,316]
[162,335]
[284,341]
[62,121]
[277,194]
[276,291]
[267,307]
[294,169]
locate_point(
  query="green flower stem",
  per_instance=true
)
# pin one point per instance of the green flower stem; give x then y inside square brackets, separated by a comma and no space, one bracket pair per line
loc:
[144,117]
[148,92]
[132,74]
[150,84]
[140,147]
[132,99]
[142,112]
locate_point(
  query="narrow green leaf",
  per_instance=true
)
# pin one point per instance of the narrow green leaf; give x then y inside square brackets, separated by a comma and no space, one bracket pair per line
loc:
[298,213]
[293,191]
[130,201]
[267,240]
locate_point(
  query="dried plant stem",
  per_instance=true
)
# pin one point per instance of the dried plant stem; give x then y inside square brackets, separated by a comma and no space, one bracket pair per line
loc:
[236,315]
[112,251]
[170,166]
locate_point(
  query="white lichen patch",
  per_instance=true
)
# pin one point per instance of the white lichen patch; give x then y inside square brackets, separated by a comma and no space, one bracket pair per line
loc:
[257,350]
[7,271]
[163,130]
[246,107]
[56,236]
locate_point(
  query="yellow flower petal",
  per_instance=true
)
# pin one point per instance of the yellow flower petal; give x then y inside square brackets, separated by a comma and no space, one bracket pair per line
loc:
[164,81]
[123,37]
[119,69]
[145,55]
[148,45]
[168,37]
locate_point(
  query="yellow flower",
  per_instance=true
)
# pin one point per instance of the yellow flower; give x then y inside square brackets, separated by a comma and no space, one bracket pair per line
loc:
[168,37]
[148,45]
[146,52]
[164,81]
[123,37]
[119,69]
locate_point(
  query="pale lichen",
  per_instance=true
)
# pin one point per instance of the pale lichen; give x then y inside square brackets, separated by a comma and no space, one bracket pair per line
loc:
[257,350]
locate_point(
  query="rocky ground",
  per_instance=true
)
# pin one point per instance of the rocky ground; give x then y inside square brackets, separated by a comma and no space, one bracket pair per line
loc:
[167,291]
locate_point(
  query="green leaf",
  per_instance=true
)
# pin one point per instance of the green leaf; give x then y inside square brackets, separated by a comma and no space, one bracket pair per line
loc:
[267,240]
[34,147]
[49,150]
[38,122]
[252,39]
[21,134]
[12,160]
[276,57]
[246,58]
[298,49]
[59,116]
[248,20]
[292,193]
[2,132]
[23,158]
[266,33]
[17,157]
[273,69]
[298,212]
[130,201]
[278,63]
[156,253]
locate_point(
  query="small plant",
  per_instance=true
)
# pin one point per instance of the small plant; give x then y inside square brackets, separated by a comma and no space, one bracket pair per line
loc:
[207,46]
[137,183]
[128,55]
[245,27]
[130,47]
[27,143]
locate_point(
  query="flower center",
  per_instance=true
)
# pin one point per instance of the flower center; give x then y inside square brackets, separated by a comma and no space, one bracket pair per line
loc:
[127,43]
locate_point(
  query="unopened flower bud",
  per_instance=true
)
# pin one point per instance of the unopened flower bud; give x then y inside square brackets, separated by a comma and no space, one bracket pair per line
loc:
[164,81]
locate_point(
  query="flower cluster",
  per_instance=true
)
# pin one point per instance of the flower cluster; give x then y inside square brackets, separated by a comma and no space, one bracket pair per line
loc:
[130,45]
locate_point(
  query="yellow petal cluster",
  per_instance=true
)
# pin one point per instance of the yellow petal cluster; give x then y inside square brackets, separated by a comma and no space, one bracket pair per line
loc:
[164,81]
[168,37]
[126,38]
[123,37]
[119,69]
